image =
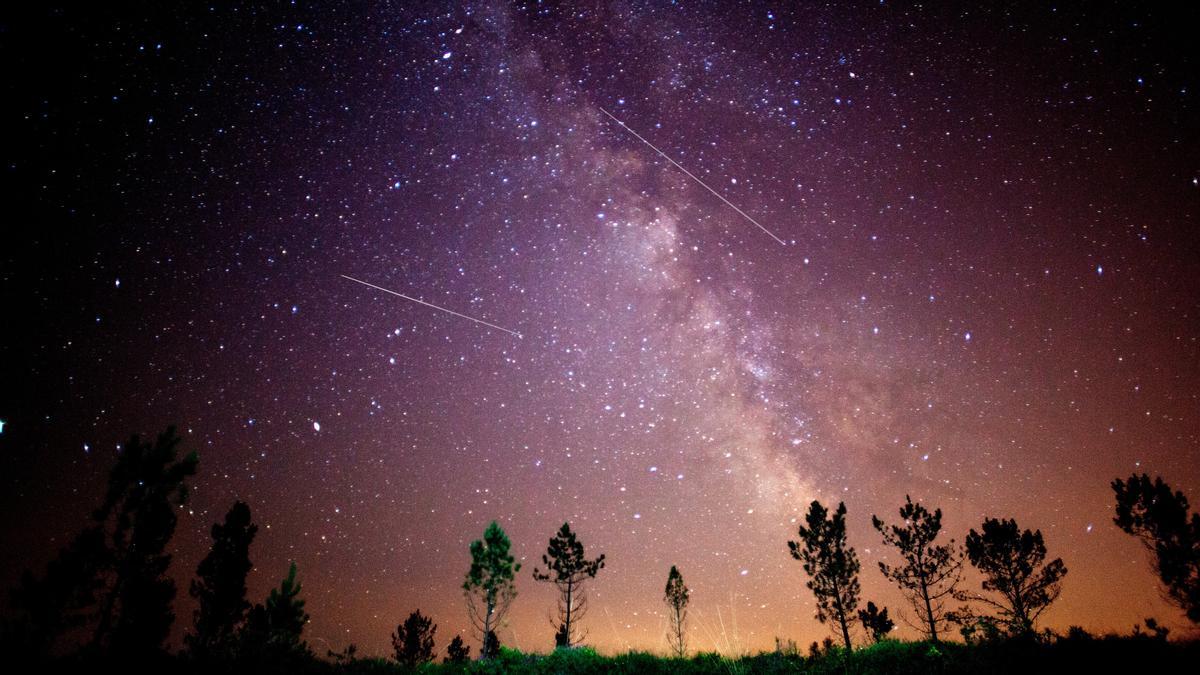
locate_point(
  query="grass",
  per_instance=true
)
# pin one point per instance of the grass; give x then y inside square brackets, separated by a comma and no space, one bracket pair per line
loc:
[1088,655]
[1127,655]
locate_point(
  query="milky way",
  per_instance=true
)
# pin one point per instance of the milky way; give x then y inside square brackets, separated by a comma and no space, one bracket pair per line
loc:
[986,297]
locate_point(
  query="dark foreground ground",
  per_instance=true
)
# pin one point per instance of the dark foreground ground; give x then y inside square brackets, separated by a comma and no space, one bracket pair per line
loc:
[1115,655]
[1127,655]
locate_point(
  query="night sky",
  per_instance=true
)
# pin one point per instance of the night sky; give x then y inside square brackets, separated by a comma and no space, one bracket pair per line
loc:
[988,296]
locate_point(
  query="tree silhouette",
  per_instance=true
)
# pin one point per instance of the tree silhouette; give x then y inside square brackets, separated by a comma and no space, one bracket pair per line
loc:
[220,588]
[490,646]
[831,564]
[138,513]
[1160,519]
[272,632]
[413,640]
[345,657]
[1157,632]
[929,573]
[876,621]
[562,638]
[1015,571]
[456,651]
[568,569]
[821,650]
[63,601]
[111,580]
[489,586]
[677,597]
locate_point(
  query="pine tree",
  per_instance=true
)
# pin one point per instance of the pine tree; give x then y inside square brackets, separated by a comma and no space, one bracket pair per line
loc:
[64,599]
[145,488]
[490,646]
[272,634]
[831,564]
[220,588]
[930,572]
[568,569]
[1021,583]
[345,657]
[111,580]
[456,651]
[677,596]
[876,621]
[413,640]
[489,586]
[1159,518]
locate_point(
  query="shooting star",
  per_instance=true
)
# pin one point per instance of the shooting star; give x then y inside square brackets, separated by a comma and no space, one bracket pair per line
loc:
[693,177]
[429,304]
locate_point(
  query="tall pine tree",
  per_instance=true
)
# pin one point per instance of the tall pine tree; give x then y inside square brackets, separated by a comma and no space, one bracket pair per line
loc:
[110,582]
[568,568]
[273,633]
[831,564]
[1160,519]
[1018,582]
[108,589]
[145,488]
[489,586]
[220,586]
[677,596]
[929,572]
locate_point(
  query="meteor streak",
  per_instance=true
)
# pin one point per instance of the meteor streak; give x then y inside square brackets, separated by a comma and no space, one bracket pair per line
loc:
[693,177]
[429,304]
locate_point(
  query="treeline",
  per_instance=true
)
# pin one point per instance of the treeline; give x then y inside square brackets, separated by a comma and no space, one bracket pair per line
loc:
[107,595]
[1019,580]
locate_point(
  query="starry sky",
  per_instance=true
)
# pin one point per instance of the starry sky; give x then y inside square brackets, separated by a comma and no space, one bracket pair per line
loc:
[987,294]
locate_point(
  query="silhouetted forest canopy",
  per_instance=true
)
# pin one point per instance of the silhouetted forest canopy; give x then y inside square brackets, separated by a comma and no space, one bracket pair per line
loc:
[106,598]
